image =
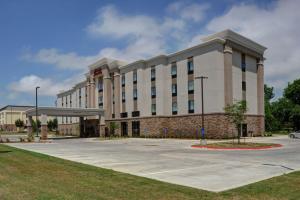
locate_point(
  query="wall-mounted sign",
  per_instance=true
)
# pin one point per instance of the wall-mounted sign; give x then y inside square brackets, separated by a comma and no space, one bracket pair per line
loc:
[97,72]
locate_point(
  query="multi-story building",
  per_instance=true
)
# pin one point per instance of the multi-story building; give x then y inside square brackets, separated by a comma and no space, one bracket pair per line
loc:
[9,114]
[161,96]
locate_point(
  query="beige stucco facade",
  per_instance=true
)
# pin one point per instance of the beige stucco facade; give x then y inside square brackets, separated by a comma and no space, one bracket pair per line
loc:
[165,87]
[9,114]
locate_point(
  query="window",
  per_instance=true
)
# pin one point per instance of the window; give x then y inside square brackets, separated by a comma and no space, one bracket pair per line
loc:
[190,66]
[244,85]
[70,101]
[134,94]
[100,85]
[79,92]
[153,109]
[153,74]
[174,90]
[100,100]
[135,113]
[153,92]
[191,87]
[174,70]
[174,108]
[243,63]
[134,77]
[191,106]
[123,96]
[123,80]
[123,114]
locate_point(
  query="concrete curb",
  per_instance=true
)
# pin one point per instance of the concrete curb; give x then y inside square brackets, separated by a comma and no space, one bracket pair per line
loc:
[238,148]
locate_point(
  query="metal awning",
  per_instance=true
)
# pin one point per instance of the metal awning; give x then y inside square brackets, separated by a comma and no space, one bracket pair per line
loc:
[66,112]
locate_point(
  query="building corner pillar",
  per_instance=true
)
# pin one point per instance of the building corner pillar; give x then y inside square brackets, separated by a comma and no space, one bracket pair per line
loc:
[228,91]
[29,128]
[260,95]
[107,94]
[92,93]
[44,131]
[117,98]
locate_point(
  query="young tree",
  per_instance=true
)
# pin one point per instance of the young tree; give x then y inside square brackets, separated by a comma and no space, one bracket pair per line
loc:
[54,124]
[113,126]
[50,125]
[19,123]
[236,114]
[35,125]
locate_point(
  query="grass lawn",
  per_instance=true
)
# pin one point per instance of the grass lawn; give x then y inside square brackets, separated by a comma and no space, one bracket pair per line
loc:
[236,145]
[27,175]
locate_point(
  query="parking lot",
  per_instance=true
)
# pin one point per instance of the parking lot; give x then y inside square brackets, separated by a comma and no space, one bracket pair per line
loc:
[174,161]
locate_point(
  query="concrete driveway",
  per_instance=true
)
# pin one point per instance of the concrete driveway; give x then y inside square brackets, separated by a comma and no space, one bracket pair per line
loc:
[174,161]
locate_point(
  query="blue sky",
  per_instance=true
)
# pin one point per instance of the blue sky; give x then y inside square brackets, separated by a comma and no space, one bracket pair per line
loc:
[50,43]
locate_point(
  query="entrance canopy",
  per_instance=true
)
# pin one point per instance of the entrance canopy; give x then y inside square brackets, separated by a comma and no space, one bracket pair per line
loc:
[66,112]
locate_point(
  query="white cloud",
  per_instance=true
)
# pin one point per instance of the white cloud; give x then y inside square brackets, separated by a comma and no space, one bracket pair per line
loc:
[48,86]
[195,12]
[53,56]
[146,36]
[276,28]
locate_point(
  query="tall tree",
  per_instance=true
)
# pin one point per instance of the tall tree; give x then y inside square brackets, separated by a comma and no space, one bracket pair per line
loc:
[271,123]
[292,91]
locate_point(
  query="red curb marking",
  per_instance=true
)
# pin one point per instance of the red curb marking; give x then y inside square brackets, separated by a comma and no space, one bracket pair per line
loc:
[238,148]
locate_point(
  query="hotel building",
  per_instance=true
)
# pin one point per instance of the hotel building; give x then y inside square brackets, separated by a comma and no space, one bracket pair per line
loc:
[9,114]
[161,96]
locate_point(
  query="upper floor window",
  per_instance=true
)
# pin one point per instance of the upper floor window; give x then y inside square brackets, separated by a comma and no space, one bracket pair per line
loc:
[243,64]
[174,90]
[190,65]
[135,77]
[100,99]
[79,91]
[123,80]
[174,108]
[153,92]
[191,106]
[153,73]
[191,87]
[135,94]
[123,96]
[174,70]
[100,85]
[244,85]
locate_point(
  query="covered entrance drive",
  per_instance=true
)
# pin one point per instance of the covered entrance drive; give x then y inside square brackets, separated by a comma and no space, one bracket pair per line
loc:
[85,130]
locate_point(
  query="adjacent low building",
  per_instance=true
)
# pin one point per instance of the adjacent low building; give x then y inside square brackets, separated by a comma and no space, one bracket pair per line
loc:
[161,96]
[9,114]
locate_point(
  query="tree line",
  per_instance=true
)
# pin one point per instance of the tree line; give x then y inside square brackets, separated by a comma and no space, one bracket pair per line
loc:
[284,112]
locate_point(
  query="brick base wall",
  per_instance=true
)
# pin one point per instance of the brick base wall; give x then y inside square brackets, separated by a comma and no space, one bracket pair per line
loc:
[188,126]
[8,127]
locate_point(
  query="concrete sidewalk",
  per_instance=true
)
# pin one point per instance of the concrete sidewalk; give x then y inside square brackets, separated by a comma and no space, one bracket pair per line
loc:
[174,161]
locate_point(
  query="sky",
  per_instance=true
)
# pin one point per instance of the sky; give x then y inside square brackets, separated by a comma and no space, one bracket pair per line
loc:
[51,43]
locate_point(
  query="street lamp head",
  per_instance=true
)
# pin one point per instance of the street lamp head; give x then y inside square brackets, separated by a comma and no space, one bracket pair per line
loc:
[37,87]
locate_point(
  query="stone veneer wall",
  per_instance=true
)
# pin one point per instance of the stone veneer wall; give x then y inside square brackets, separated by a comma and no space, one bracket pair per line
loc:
[187,126]
[69,129]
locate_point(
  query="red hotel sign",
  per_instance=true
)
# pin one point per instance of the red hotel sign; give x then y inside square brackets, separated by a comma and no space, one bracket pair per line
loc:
[97,72]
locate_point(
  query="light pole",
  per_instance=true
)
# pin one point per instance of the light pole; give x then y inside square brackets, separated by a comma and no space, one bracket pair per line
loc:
[202,109]
[36,111]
